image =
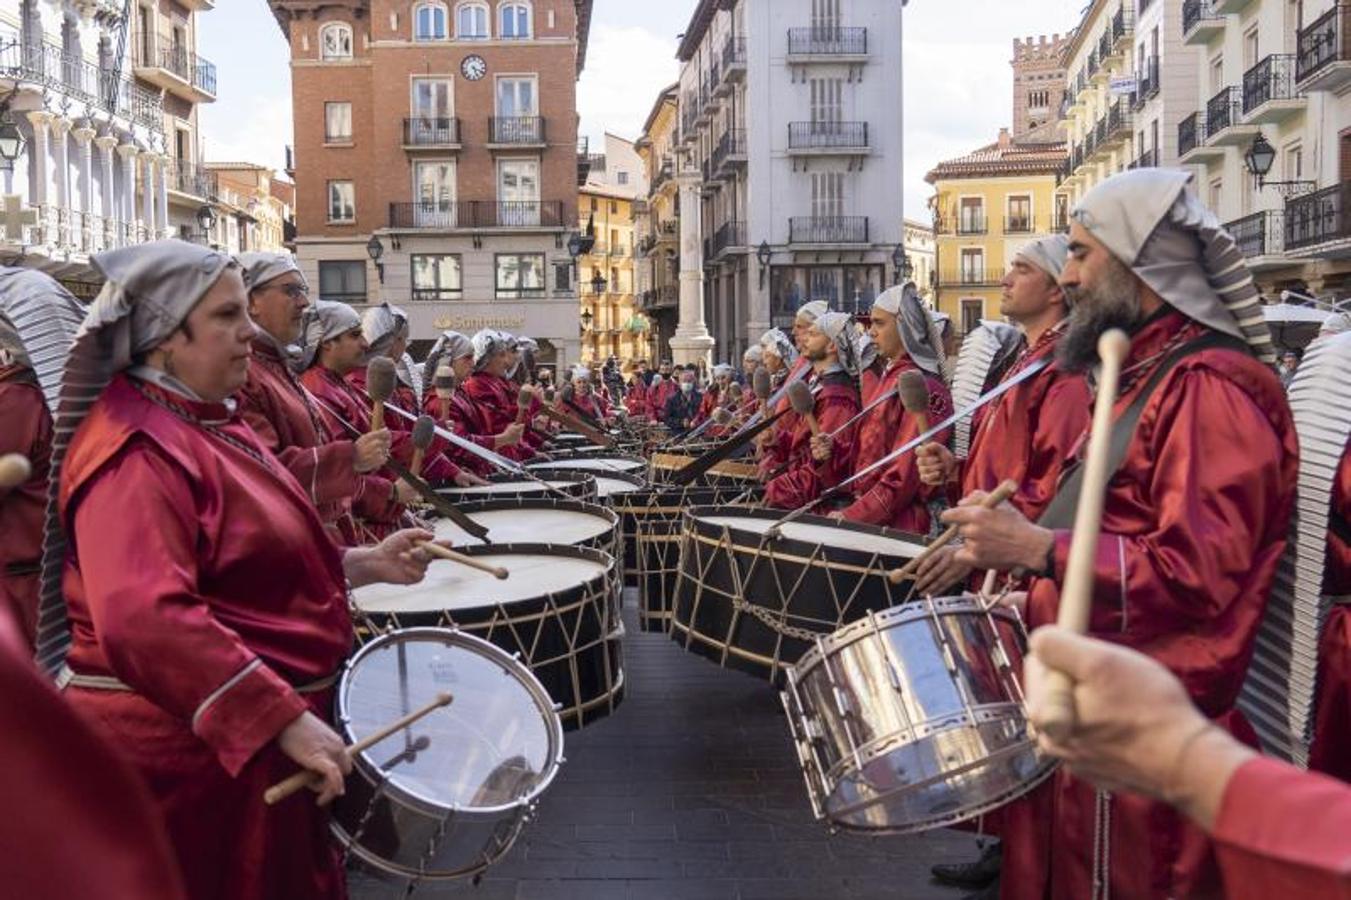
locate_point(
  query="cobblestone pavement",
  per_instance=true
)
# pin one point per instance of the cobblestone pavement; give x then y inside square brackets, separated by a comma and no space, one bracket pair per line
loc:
[691,791]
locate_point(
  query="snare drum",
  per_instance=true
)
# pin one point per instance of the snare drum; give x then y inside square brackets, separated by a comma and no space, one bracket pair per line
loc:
[756,603]
[447,796]
[558,610]
[913,718]
[578,485]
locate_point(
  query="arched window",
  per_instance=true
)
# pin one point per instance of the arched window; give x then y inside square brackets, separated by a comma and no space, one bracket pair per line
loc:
[430,22]
[514,21]
[335,41]
[471,22]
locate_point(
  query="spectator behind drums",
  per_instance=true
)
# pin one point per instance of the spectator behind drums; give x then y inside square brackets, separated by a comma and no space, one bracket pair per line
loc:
[1278,831]
[659,391]
[682,409]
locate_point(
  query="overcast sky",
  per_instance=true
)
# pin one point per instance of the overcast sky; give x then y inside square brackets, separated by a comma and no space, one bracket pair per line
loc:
[958,88]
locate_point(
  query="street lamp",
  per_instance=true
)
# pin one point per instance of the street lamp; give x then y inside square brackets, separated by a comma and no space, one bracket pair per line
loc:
[901,266]
[598,283]
[206,218]
[11,140]
[586,320]
[762,255]
[1259,159]
[375,250]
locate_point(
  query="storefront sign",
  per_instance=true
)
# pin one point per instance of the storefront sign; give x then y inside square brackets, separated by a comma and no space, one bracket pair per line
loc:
[475,323]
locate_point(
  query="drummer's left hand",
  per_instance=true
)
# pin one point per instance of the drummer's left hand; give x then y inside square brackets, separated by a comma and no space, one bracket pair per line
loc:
[395,560]
[1000,538]
[468,479]
[821,445]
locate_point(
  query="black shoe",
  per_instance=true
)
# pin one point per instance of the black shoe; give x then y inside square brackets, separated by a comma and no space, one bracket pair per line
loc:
[989,892]
[976,874]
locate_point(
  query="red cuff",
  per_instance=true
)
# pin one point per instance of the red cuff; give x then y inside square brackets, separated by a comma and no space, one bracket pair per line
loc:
[247,715]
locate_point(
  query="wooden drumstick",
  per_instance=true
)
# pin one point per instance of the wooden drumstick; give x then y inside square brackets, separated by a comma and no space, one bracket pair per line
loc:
[914,397]
[804,404]
[380,378]
[497,572]
[424,431]
[524,398]
[304,778]
[1055,709]
[15,469]
[761,385]
[444,385]
[1005,490]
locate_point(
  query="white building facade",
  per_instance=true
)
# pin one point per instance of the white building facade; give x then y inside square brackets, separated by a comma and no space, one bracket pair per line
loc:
[790,152]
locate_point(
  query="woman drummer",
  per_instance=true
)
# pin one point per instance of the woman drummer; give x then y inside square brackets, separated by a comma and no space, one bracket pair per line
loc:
[207,607]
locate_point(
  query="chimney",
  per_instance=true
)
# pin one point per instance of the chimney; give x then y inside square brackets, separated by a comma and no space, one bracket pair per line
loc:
[1005,139]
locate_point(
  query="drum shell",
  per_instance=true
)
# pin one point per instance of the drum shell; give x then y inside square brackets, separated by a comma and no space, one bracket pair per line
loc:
[570,638]
[634,481]
[580,486]
[591,461]
[824,586]
[941,724]
[728,473]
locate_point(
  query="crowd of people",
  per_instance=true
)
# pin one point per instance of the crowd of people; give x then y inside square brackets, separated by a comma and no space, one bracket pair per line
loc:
[211,477]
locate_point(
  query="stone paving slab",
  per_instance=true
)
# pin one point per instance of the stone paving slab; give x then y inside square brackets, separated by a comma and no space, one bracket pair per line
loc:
[691,791]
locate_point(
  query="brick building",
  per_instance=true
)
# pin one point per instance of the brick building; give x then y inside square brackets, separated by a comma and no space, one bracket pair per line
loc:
[442,137]
[1038,86]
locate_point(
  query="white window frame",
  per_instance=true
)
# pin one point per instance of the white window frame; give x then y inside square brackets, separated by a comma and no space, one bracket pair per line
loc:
[963,253]
[1292,152]
[487,20]
[337,138]
[434,216]
[339,28]
[455,293]
[414,112]
[335,183]
[1031,208]
[981,211]
[431,6]
[523,216]
[502,9]
[531,77]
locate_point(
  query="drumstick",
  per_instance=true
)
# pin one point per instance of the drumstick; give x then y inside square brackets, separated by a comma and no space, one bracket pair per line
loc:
[804,404]
[424,430]
[524,398]
[1005,490]
[14,470]
[1055,711]
[497,572]
[304,778]
[761,386]
[444,385]
[914,397]
[380,378]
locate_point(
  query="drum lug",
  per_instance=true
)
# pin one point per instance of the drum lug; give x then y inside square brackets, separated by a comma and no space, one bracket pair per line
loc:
[841,701]
[812,728]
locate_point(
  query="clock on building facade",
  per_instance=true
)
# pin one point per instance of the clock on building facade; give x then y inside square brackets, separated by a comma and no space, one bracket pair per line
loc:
[474,67]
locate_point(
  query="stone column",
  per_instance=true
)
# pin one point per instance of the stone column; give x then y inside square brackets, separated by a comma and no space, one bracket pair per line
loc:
[42,174]
[128,153]
[60,130]
[691,342]
[111,214]
[162,198]
[83,138]
[148,194]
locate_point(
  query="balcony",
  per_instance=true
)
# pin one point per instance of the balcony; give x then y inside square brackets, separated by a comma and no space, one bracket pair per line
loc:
[832,45]
[828,230]
[667,296]
[734,60]
[1200,22]
[1323,51]
[1224,120]
[971,224]
[970,276]
[193,181]
[1192,148]
[1319,224]
[585,160]
[1261,238]
[1021,224]
[68,76]
[1269,95]
[1060,221]
[178,70]
[665,172]
[516,133]
[731,150]
[828,139]
[730,238]
[1147,85]
[476,214]
[1122,27]
[1231,6]
[1147,160]
[431,134]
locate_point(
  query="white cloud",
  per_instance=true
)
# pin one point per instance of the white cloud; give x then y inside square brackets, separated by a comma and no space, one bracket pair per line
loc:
[261,137]
[626,68]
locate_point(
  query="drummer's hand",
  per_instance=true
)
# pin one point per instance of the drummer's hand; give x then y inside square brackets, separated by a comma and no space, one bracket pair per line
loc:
[467,478]
[1000,538]
[941,570]
[821,445]
[1015,600]
[405,493]
[395,560]
[935,463]
[510,436]
[313,746]
[372,451]
[1135,726]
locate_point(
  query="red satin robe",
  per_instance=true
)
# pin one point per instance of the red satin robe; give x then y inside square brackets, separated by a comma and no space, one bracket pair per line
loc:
[1331,748]
[84,823]
[276,407]
[436,467]
[200,575]
[593,405]
[635,400]
[894,496]
[467,421]
[1193,528]
[657,397]
[775,452]
[26,428]
[1282,833]
[805,479]
[707,405]
[496,398]
[1027,434]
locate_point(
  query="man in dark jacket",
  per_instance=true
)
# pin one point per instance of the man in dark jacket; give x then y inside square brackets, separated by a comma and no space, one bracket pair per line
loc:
[682,407]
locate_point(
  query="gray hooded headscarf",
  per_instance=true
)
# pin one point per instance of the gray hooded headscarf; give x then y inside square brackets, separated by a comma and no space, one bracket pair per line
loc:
[450,346]
[810,312]
[867,351]
[1048,254]
[918,332]
[260,268]
[489,342]
[839,327]
[381,326]
[148,291]
[753,354]
[325,320]
[1150,221]
[38,322]
[781,345]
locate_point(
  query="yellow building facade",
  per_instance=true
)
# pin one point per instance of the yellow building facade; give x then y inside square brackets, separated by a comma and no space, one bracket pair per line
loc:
[986,206]
[609,316]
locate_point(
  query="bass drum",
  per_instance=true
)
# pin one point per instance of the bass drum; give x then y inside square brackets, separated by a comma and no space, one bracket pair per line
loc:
[527,520]
[447,796]
[730,473]
[578,485]
[602,463]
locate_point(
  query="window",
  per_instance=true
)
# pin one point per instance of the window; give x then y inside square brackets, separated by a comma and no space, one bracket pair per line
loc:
[471,22]
[516,97]
[518,192]
[515,21]
[1216,75]
[431,98]
[335,41]
[971,215]
[1250,48]
[825,16]
[562,278]
[434,189]
[520,276]
[972,312]
[436,276]
[337,122]
[973,265]
[614,209]
[429,22]
[342,280]
[1216,193]
[827,195]
[1294,163]
[595,204]
[827,103]
[1020,215]
[622,177]
[342,203]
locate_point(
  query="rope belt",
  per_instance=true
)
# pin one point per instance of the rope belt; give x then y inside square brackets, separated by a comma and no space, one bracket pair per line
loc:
[68,677]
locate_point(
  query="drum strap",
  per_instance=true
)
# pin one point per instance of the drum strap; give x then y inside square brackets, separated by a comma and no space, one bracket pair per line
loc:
[68,677]
[1060,511]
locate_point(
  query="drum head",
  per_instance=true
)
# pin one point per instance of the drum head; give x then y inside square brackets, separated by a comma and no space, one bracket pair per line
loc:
[812,532]
[452,586]
[593,464]
[507,488]
[498,744]
[526,521]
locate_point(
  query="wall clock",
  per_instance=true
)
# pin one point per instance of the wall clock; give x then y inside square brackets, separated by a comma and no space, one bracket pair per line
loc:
[474,67]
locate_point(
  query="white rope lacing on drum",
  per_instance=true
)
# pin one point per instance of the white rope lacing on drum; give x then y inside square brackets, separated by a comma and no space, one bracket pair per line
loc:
[1102,845]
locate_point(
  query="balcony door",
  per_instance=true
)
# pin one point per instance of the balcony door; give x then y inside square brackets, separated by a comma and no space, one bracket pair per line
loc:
[973,266]
[826,19]
[518,192]
[972,215]
[431,107]
[517,97]
[434,189]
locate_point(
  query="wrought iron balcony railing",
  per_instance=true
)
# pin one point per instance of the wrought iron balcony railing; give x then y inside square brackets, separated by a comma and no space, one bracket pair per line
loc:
[1271,79]
[1324,41]
[1318,218]
[827,135]
[828,230]
[446,214]
[827,41]
[431,132]
[516,130]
